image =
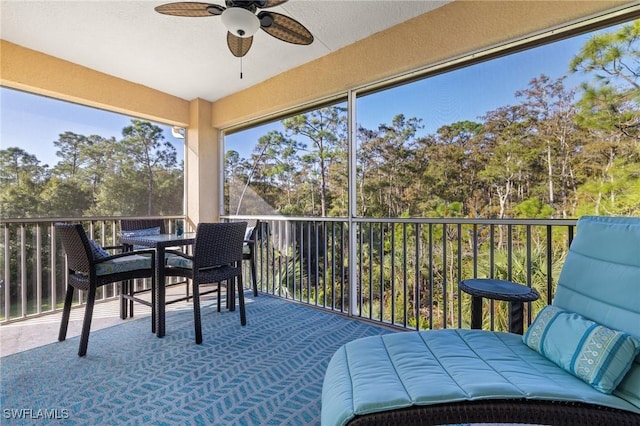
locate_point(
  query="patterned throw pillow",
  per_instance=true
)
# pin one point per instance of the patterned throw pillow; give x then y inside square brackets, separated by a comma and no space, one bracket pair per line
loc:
[592,352]
[97,251]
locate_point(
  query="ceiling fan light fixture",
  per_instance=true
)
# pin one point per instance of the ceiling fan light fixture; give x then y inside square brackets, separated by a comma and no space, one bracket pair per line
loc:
[240,22]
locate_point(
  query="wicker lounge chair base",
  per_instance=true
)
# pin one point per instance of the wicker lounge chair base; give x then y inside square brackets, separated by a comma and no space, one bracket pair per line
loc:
[557,413]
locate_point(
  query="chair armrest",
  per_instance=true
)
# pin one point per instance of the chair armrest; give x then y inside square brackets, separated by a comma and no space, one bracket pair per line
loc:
[120,247]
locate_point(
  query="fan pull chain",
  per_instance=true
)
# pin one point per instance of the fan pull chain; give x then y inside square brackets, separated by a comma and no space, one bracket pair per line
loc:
[240,67]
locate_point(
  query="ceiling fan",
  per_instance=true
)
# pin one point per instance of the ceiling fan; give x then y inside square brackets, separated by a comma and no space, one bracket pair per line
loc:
[242,22]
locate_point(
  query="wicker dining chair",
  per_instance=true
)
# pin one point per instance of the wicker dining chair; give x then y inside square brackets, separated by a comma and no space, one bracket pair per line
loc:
[90,268]
[217,257]
[138,224]
[128,291]
[249,249]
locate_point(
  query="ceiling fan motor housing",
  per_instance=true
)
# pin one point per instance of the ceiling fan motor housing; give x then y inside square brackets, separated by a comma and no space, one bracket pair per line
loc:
[245,4]
[240,21]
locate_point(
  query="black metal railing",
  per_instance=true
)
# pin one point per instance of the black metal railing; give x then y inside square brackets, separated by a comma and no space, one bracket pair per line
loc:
[403,272]
[32,264]
[406,272]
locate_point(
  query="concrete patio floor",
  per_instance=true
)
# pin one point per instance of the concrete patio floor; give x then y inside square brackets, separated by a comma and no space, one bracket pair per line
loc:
[42,330]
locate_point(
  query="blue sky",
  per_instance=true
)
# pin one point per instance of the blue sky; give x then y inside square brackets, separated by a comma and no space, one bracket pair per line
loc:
[34,122]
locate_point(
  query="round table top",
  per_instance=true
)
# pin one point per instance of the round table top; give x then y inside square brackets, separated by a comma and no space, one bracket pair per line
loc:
[499,290]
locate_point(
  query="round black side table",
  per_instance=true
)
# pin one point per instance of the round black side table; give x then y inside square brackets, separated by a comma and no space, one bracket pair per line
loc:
[508,291]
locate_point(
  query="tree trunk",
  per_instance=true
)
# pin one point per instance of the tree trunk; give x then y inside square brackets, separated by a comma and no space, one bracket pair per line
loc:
[550,174]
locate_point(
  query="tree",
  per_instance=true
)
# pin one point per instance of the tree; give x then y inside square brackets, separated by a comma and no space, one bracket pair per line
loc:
[326,129]
[76,178]
[609,111]
[98,158]
[22,180]
[551,110]
[70,146]
[236,169]
[387,165]
[613,58]
[506,141]
[147,152]
[448,163]
[66,198]
[266,177]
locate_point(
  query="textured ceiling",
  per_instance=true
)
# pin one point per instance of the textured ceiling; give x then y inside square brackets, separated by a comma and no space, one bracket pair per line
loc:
[188,57]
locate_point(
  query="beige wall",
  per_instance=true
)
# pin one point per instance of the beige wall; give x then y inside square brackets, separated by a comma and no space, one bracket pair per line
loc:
[201,157]
[458,28]
[35,72]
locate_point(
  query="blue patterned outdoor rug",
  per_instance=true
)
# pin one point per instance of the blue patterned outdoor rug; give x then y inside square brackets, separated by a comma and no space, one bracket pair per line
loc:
[267,373]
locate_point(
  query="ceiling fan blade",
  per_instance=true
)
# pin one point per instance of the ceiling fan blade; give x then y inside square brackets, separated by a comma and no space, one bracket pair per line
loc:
[284,28]
[239,46]
[190,9]
[264,4]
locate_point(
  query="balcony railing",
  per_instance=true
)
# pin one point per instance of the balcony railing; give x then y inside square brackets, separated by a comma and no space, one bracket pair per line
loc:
[33,271]
[405,272]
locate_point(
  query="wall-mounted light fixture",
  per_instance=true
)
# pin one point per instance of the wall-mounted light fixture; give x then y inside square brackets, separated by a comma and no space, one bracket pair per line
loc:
[177,132]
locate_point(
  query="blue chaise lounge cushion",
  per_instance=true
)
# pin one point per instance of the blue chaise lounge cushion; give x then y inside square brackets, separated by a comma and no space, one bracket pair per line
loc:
[398,370]
[600,280]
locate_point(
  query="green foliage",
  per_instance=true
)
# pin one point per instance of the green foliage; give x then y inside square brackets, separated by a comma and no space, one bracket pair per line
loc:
[555,153]
[137,175]
[533,209]
[609,112]
[517,270]
[22,178]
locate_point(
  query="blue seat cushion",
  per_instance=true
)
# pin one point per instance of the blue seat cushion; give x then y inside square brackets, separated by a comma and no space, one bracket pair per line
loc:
[123,264]
[177,261]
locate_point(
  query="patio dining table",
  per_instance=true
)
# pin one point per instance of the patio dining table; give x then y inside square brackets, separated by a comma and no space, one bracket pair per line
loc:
[160,243]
